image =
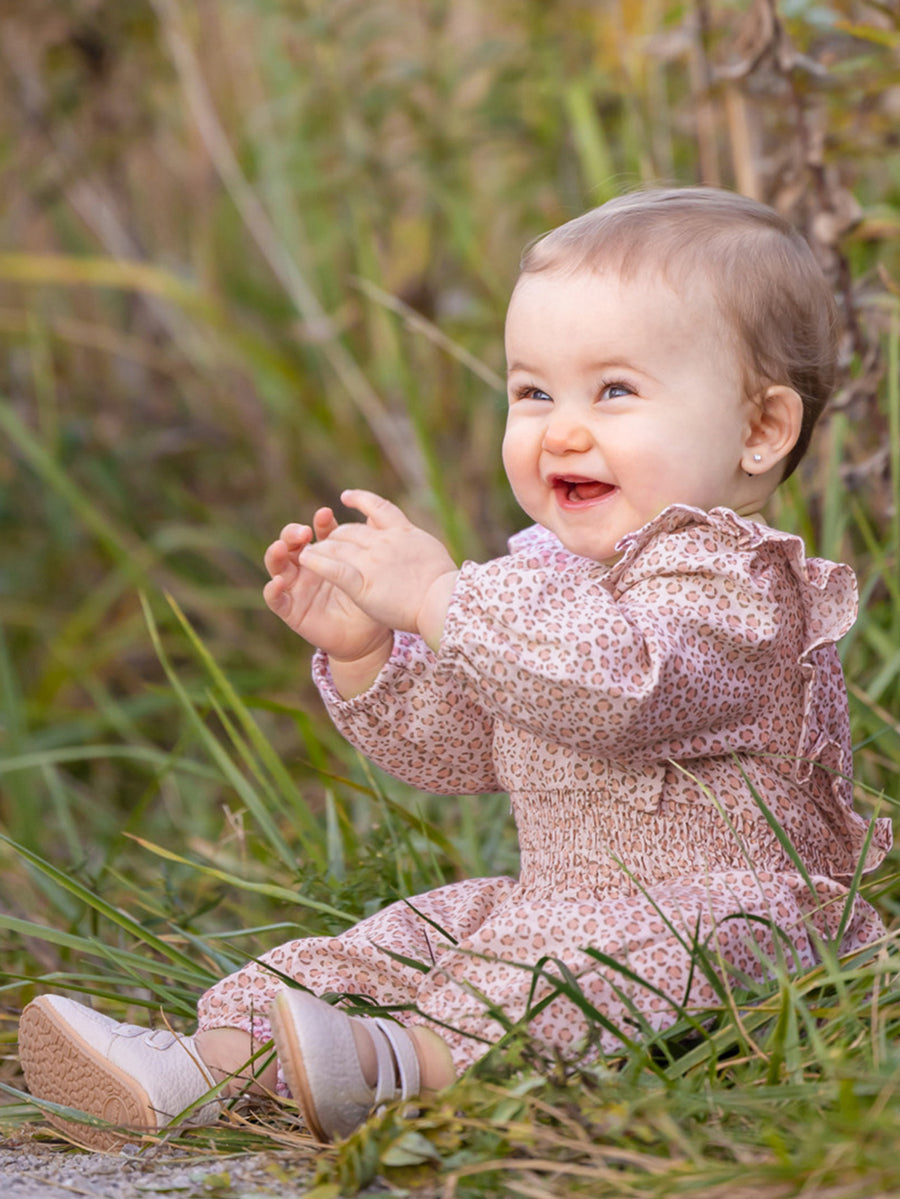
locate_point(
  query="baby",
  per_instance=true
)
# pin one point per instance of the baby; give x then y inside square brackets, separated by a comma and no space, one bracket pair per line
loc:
[650,673]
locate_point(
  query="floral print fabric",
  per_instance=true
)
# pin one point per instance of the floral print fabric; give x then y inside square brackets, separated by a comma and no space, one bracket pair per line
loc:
[651,722]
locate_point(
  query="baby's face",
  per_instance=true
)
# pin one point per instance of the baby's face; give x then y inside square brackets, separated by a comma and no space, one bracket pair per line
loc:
[624,397]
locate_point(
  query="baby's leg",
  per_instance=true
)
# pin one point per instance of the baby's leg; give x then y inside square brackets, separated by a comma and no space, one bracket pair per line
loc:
[315,1037]
[355,963]
[227,1053]
[81,1059]
[435,1059]
[351,963]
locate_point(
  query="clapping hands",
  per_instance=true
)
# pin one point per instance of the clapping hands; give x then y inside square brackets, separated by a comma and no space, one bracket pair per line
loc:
[344,588]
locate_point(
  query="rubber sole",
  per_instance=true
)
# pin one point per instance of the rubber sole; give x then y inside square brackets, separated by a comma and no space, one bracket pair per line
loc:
[62,1067]
[285,1033]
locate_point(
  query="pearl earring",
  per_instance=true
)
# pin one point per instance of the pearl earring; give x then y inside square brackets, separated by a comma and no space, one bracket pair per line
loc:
[756,458]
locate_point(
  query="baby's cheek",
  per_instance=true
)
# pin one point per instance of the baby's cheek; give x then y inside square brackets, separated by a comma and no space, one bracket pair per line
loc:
[518,462]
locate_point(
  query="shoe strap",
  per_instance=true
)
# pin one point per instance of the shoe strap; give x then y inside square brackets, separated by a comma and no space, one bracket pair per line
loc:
[386,1080]
[159,1038]
[401,1053]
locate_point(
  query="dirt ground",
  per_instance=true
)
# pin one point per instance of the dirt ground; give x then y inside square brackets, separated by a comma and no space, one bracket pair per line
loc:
[36,1169]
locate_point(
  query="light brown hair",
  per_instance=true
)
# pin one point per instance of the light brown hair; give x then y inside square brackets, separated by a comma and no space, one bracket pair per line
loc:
[761,272]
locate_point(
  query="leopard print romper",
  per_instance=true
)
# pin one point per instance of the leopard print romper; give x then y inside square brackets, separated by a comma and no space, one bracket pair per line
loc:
[631,712]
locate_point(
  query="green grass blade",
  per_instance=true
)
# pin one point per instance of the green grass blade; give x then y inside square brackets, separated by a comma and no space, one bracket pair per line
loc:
[96,903]
[307,827]
[269,890]
[212,746]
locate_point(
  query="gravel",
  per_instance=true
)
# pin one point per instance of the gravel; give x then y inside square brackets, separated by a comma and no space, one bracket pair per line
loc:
[30,1169]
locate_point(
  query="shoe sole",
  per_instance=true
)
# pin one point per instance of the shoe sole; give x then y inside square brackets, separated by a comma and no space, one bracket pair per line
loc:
[285,1034]
[61,1066]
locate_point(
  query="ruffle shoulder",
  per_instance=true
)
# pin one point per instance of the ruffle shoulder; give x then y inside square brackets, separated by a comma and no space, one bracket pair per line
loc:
[687,538]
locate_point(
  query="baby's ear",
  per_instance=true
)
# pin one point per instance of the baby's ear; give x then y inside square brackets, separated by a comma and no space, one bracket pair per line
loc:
[773,428]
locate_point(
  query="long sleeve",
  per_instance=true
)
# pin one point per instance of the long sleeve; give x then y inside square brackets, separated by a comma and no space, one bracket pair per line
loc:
[425,732]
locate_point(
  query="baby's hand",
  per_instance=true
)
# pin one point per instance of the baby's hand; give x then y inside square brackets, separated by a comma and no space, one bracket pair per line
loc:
[322,614]
[389,567]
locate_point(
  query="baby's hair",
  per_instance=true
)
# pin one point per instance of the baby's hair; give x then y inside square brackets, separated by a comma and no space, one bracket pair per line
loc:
[762,273]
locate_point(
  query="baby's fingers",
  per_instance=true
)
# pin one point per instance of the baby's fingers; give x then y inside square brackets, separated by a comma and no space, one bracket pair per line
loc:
[376,509]
[296,536]
[326,560]
[279,559]
[281,555]
[324,523]
[276,596]
[276,558]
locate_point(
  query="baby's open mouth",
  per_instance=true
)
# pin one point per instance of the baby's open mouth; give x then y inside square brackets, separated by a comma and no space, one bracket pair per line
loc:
[581,491]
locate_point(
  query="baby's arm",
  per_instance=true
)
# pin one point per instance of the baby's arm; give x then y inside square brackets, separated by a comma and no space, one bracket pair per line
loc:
[398,574]
[357,645]
[417,726]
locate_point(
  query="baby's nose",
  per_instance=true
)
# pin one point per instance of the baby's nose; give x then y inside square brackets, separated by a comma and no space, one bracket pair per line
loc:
[566,432]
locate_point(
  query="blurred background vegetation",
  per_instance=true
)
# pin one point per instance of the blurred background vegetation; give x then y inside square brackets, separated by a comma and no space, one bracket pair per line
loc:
[255,251]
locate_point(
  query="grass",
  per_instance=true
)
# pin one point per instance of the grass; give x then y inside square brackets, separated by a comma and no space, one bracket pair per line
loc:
[279,267]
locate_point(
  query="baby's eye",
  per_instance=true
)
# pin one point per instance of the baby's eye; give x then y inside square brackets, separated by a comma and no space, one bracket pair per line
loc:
[527,392]
[615,390]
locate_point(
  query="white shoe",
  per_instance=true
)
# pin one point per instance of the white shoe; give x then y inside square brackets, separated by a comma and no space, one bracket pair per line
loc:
[135,1078]
[318,1055]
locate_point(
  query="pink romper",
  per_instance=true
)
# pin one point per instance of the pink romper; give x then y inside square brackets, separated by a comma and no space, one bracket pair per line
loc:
[631,712]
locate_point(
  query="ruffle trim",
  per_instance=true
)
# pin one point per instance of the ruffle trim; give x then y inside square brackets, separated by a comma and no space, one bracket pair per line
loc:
[828,588]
